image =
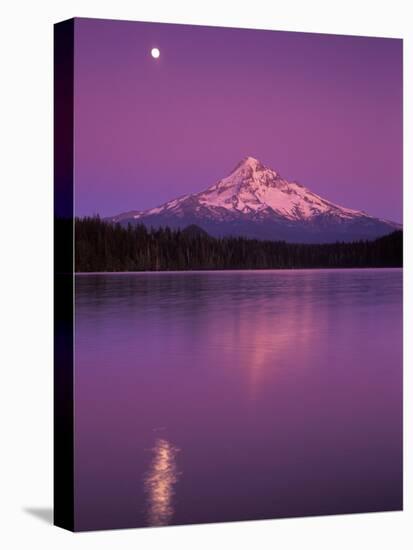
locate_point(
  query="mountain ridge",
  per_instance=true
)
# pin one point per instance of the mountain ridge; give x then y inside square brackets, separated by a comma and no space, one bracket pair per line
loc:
[255,201]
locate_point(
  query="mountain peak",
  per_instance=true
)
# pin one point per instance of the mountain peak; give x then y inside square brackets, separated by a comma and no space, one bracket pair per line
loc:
[250,163]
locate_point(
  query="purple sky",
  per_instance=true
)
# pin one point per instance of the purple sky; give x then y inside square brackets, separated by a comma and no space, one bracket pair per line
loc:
[324,110]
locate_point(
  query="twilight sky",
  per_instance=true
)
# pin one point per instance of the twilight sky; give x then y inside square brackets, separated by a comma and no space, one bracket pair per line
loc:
[323,110]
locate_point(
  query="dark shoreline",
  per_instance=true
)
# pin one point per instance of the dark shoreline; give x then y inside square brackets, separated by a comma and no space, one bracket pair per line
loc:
[235,270]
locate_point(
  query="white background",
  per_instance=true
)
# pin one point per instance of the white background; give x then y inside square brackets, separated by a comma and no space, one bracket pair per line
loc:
[26,271]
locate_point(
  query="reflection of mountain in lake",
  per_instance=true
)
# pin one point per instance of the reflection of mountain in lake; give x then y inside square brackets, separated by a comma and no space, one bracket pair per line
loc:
[159,483]
[281,388]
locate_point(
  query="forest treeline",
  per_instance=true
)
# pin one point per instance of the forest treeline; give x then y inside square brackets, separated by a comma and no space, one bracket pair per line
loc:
[102,246]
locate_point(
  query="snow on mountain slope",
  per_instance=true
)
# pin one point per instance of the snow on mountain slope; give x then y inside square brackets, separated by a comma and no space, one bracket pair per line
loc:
[252,187]
[256,201]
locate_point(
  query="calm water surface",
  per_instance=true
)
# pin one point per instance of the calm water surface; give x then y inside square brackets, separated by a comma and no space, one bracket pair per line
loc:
[218,396]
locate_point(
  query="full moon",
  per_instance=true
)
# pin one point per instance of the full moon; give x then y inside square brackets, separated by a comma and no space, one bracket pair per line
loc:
[155,53]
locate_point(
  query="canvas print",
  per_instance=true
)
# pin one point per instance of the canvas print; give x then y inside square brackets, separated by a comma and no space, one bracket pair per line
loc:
[228,248]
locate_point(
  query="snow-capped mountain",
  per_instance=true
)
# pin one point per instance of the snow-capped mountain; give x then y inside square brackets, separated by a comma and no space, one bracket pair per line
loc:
[255,201]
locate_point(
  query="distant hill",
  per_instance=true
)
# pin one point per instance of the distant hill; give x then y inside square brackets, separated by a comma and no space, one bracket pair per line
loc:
[194,231]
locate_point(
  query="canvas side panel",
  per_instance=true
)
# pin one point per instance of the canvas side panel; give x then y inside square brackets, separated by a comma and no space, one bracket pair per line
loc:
[63,276]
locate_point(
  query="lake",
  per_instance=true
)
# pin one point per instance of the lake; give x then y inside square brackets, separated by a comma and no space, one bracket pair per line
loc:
[221,396]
